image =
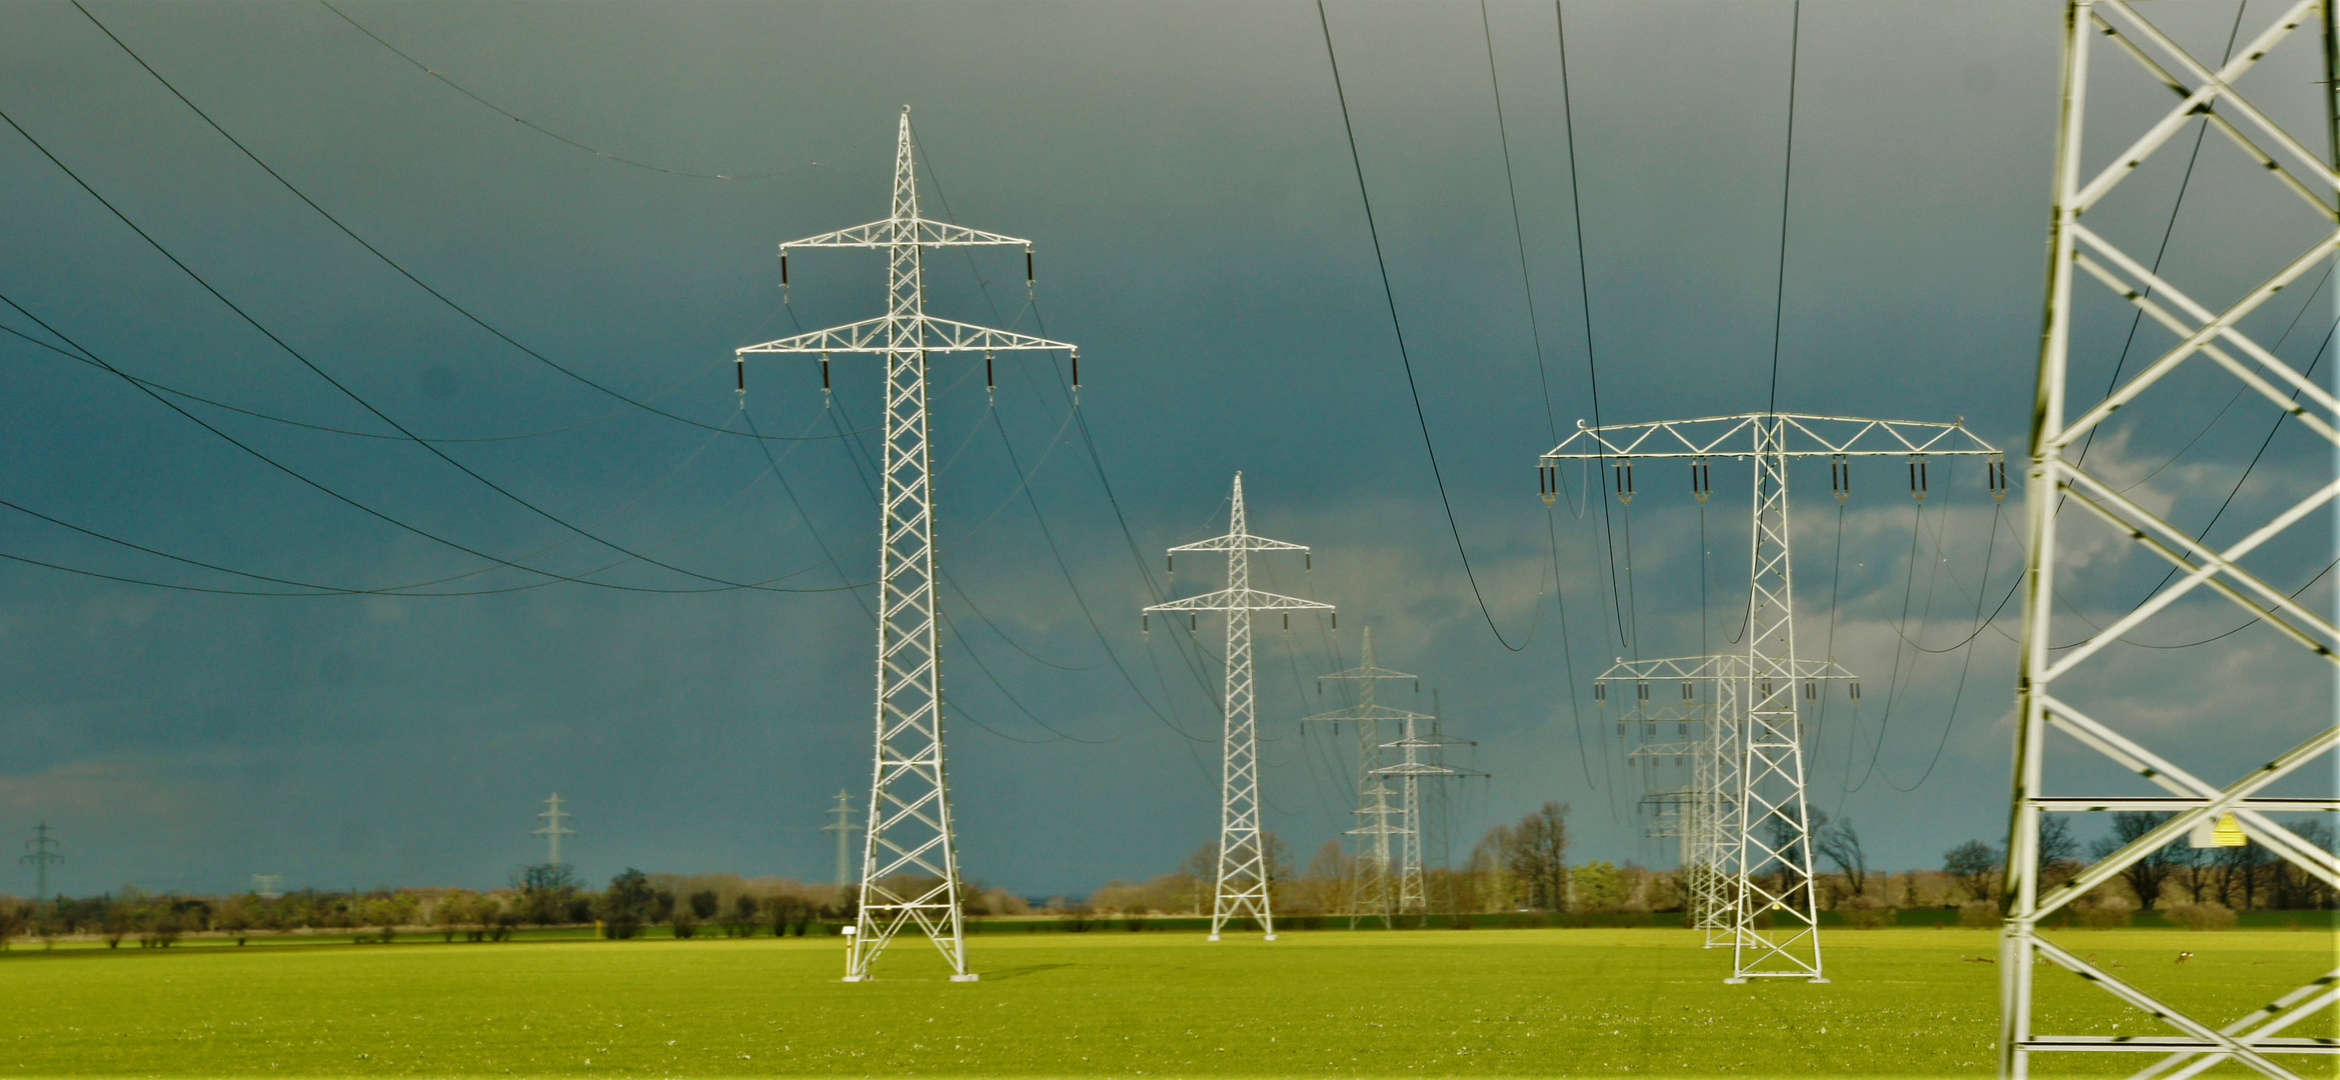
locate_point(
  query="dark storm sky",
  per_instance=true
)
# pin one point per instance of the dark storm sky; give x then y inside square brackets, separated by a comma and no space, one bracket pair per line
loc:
[1185,176]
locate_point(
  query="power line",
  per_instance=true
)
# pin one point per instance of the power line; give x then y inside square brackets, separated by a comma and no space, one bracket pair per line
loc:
[338,385]
[554,135]
[349,232]
[1405,358]
[1592,369]
[1787,176]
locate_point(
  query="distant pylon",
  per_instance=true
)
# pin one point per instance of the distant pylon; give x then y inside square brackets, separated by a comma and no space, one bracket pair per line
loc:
[553,829]
[1418,752]
[844,827]
[1244,876]
[1380,816]
[44,855]
[910,864]
[1776,911]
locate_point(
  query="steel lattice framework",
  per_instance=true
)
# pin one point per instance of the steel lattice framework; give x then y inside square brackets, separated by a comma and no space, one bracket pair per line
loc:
[1371,891]
[1244,877]
[1766,826]
[2057,476]
[910,869]
[1410,770]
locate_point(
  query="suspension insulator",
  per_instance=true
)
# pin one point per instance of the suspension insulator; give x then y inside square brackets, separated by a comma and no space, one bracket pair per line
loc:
[1287,620]
[1145,624]
[1766,692]
[1683,730]
[1192,621]
[1701,484]
[1689,690]
[1169,564]
[1620,729]
[1028,279]
[742,364]
[1811,690]
[783,268]
[1336,620]
[1856,691]
[1840,476]
[1076,364]
[1998,476]
[1917,478]
[988,384]
[824,373]
[1623,469]
[1649,729]
[1600,693]
[1308,560]
[1641,690]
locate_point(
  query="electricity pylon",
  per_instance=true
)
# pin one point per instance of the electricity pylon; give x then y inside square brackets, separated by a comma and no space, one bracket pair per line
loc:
[1766,825]
[1695,811]
[1413,746]
[1370,893]
[844,827]
[1244,875]
[553,829]
[44,855]
[2055,684]
[910,866]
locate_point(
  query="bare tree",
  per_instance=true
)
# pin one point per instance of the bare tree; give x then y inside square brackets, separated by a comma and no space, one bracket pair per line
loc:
[2145,875]
[2059,850]
[1974,864]
[1840,843]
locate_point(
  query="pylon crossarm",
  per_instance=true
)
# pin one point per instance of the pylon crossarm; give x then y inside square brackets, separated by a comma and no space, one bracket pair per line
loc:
[2204,1036]
[2222,124]
[2220,85]
[1368,712]
[1244,542]
[2212,562]
[922,232]
[1802,434]
[1720,666]
[2175,558]
[1241,600]
[884,334]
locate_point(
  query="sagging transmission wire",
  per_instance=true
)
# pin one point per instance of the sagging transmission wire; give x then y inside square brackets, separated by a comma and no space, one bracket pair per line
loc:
[1543,383]
[1405,357]
[441,297]
[557,136]
[1592,370]
[353,395]
[1075,415]
[305,479]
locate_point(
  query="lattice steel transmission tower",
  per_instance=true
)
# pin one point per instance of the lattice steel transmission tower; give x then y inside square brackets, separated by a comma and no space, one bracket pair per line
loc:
[553,830]
[1244,876]
[1700,810]
[1764,822]
[1380,810]
[1413,745]
[42,856]
[2064,690]
[910,868]
[844,827]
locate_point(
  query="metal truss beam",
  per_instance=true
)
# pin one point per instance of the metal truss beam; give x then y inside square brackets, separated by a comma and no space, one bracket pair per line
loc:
[2057,478]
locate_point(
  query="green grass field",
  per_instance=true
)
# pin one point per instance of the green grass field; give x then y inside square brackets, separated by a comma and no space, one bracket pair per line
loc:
[1418,1003]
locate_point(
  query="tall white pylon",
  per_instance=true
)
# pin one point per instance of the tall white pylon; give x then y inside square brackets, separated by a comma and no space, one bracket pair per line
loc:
[2065,684]
[1244,876]
[1767,826]
[910,868]
[1381,812]
[553,829]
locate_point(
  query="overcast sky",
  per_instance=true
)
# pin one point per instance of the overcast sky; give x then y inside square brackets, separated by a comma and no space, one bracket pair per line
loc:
[1184,174]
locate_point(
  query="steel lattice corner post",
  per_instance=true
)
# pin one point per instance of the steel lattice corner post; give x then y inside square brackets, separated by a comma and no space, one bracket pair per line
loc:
[2050,684]
[1244,879]
[910,869]
[1753,818]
